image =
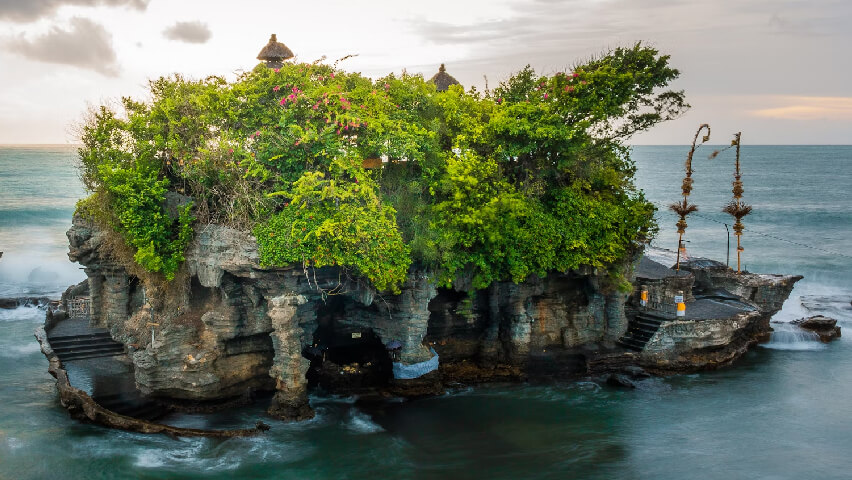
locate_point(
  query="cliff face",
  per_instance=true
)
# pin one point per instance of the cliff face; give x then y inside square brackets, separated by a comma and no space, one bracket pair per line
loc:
[727,314]
[227,326]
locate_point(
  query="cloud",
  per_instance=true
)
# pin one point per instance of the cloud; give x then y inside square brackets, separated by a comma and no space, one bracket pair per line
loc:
[189,32]
[720,47]
[808,108]
[85,44]
[29,10]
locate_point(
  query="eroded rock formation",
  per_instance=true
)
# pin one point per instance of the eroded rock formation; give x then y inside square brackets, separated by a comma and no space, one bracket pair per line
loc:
[823,326]
[728,314]
[226,327]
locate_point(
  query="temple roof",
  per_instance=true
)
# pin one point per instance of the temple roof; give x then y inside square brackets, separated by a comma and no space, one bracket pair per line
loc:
[443,80]
[274,51]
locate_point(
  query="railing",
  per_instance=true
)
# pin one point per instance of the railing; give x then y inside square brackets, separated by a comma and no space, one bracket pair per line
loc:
[659,304]
[79,307]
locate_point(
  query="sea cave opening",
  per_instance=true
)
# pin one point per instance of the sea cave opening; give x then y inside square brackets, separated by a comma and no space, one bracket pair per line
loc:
[346,356]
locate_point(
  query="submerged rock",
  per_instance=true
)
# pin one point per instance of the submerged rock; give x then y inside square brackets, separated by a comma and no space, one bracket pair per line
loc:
[619,380]
[825,327]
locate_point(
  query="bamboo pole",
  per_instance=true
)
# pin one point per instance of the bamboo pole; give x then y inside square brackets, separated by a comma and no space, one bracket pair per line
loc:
[684,208]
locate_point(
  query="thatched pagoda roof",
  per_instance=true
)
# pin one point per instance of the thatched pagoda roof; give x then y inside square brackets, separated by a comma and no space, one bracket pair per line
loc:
[443,80]
[274,52]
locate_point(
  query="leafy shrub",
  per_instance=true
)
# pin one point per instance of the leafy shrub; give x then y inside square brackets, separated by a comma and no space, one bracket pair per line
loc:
[338,220]
[531,177]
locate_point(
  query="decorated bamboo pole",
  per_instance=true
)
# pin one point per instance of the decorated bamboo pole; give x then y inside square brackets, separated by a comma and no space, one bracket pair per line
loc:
[684,208]
[736,208]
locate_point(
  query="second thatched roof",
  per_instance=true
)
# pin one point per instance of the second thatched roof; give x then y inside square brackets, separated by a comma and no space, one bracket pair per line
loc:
[274,50]
[443,80]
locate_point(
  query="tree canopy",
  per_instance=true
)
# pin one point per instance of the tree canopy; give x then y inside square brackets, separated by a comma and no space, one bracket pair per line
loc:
[532,177]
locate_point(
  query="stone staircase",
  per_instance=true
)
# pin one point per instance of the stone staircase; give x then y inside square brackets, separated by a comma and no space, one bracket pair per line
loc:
[640,329]
[97,343]
[101,362]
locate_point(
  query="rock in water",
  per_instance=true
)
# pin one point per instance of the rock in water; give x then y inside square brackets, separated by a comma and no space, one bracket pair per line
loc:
[619,380]
[825,327]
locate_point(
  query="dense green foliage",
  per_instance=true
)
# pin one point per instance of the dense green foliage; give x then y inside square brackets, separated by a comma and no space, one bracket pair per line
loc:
[337,221]
[130,197]
[528,178]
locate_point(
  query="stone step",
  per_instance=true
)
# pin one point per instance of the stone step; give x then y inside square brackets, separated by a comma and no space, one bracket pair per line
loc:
[653,316]
[67,347]
[651,322]
[87,348]
[648,320]
[631,343]
[61,339]
[643,326]
[640,331]
[641,336]
[93,354]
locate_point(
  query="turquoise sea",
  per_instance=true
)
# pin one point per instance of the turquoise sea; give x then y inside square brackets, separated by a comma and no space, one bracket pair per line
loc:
[782,412]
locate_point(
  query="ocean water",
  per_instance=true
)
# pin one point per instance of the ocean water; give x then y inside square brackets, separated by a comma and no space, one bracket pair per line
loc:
[39,188]
[782,412]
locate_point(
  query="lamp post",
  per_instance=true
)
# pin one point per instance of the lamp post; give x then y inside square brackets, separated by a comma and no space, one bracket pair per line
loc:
[728,255]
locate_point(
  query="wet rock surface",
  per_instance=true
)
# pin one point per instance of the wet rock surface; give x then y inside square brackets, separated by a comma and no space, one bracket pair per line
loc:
[825,327]
[621,381]
[730,314]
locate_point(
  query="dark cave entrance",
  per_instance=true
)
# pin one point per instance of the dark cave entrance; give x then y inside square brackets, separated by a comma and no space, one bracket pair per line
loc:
[345,358]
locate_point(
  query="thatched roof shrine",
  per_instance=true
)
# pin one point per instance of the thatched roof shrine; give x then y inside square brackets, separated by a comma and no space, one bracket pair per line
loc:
[443,80]
[274,53]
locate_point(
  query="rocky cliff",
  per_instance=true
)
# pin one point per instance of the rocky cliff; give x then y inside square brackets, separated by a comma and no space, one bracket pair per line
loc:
[225,327]
[726,313]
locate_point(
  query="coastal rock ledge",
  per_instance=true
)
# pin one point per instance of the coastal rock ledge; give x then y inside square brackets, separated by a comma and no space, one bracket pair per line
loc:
[226,328]
[825,327]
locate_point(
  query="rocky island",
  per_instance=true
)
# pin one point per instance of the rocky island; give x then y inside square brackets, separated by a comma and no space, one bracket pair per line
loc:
[304,227]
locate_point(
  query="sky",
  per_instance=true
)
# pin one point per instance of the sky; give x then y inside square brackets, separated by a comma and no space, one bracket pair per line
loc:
[777,70]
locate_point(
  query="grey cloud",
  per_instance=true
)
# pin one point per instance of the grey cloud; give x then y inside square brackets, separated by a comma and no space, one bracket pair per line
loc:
[29,10]
[189,32]
[718,46]
[85,44]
